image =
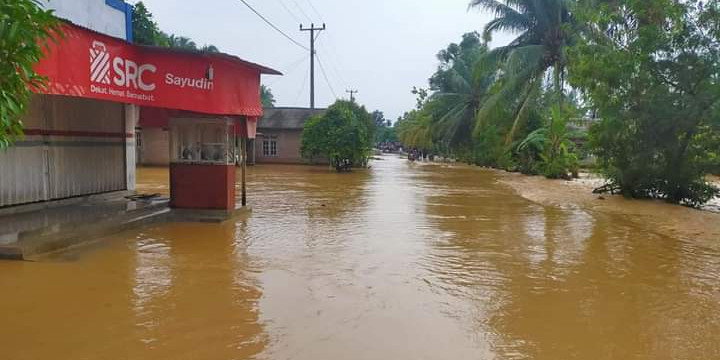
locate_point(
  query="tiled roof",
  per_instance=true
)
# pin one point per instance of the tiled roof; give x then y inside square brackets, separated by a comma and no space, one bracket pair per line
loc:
[287,118]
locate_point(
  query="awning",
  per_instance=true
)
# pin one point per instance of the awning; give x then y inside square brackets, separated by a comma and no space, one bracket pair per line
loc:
[88,64]
[245,126]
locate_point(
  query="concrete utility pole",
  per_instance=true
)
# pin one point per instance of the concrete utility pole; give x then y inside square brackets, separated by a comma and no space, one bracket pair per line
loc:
[312,29]
[352,94]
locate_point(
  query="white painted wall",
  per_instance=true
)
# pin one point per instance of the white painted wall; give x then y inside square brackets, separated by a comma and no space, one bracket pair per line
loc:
[92,14]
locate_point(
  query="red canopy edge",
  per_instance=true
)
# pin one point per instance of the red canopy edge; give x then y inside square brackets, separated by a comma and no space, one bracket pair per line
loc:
[87,64]
[245,126]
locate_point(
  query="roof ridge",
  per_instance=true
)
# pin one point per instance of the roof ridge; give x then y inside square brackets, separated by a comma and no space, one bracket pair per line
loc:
[292,108]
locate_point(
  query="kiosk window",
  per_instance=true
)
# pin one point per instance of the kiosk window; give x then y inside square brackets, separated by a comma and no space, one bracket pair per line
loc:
[208,141]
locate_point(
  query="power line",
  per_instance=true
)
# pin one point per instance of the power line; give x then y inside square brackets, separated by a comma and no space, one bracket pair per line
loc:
[322,70]
[301,88]
[273,26]
[289,69]
[334,69]
[315,10]
[302,11]
[333,55]
[297,19]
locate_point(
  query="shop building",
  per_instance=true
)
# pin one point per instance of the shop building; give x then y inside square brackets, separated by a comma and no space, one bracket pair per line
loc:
[74,146]
[80,131]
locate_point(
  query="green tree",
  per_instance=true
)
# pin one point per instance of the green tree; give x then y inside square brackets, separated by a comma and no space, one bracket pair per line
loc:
[210,49]
[545,29]
[364,117]
[414,129]
[459,87]
[652,69]
[379,119]
[145,29]
[385,134]
[446,114]
[267,97]
[25,30]
[181,42]
[340,135]
[147,32]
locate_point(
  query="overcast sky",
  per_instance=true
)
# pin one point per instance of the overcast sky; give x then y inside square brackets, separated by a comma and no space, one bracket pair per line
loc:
[382,48]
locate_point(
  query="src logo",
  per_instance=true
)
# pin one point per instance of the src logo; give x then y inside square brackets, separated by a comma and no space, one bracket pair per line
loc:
[127,73]
[99,63]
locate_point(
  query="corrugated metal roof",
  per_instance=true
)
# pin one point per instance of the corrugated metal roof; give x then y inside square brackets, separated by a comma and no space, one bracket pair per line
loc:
[218,55]
[287,118]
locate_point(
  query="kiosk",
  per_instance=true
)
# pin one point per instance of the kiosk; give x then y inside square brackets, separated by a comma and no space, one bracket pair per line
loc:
[202,163]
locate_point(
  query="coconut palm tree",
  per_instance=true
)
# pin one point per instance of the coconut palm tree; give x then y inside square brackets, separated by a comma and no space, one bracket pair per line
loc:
[414,129]
[545,29]
[210,49]
[459,87]
[181,42]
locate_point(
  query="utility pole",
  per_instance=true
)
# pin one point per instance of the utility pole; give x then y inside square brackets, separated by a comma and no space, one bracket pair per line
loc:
[352,94]
[312,29]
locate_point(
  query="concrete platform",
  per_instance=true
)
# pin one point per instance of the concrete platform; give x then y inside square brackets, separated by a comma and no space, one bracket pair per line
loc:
[27,232]
[30,231]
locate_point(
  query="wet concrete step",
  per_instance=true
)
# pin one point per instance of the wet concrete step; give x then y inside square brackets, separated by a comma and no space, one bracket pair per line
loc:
[27,235]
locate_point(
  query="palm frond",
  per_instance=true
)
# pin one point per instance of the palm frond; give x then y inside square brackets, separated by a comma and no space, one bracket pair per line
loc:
[523,58]
[521,73]
[510,23]
[528,96]
[496,7]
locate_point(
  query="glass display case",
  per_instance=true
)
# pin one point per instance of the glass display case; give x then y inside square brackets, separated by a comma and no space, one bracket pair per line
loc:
[202,141]
[202,163]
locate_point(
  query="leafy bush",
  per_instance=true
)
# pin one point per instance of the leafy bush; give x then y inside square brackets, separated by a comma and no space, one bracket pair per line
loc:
[25,29]
[652,72]
[341,135]
[549,150]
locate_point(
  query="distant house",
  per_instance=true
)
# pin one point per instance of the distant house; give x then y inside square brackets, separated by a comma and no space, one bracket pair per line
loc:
[279,135]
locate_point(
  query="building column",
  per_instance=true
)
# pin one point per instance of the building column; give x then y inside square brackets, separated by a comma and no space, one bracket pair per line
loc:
[132,117]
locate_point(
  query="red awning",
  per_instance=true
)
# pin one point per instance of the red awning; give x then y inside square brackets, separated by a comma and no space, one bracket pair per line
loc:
[87,64]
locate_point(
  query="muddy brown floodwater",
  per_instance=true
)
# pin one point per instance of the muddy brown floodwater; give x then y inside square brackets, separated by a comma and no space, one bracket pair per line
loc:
[403,261]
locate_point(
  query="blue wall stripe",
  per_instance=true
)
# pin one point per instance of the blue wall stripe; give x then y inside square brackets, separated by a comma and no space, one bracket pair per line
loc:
[127,9]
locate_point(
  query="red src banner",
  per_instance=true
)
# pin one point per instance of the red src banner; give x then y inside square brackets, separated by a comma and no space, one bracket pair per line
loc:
[87,64]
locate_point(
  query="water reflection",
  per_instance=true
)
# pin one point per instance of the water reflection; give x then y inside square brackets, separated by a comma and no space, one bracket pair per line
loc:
[175,291]
[212,300]
[348,286]
[563,283]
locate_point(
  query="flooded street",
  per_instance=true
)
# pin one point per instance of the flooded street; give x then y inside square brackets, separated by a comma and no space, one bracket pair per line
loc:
[402,261]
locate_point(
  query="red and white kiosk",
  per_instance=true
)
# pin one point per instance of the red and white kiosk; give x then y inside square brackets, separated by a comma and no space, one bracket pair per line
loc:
[213,100]
[202,163]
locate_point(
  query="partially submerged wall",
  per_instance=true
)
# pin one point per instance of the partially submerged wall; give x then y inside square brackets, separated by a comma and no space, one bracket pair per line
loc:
[72,147]
[155,149]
